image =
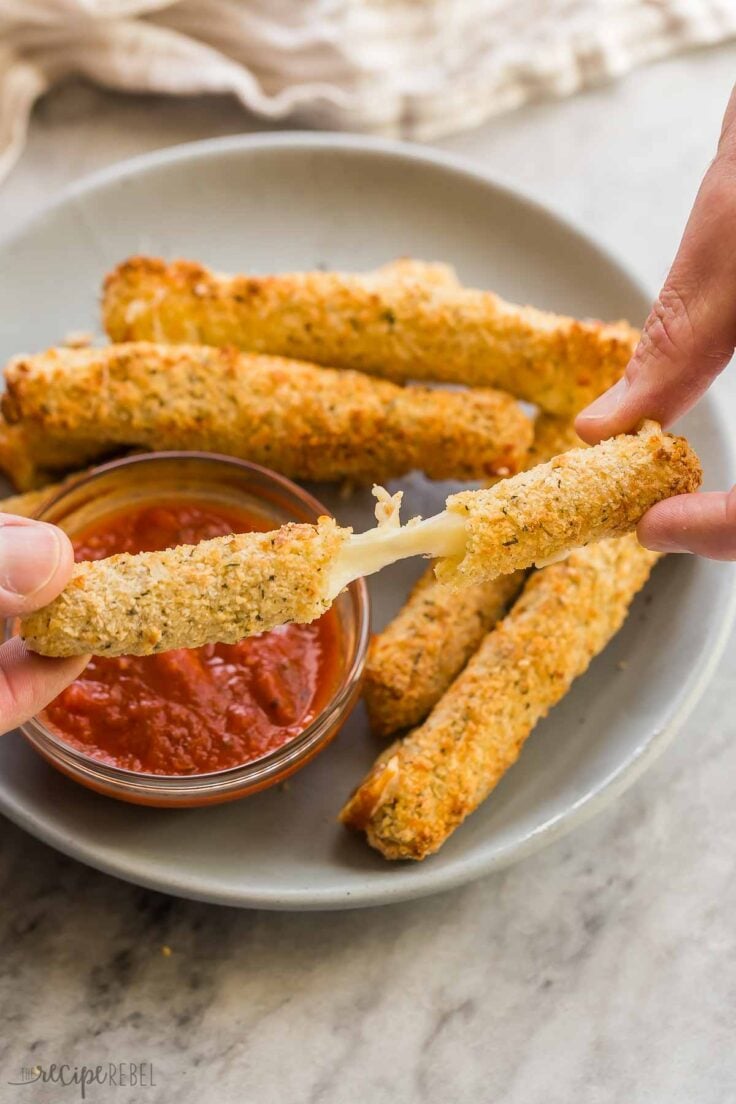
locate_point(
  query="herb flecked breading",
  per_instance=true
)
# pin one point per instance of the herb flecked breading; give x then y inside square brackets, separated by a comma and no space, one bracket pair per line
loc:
[219,590]
[398,328]
[423,787]
[577,498]
[304,421]
[414,660]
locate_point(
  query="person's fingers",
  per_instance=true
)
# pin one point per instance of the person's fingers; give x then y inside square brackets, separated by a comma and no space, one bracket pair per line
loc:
[36,561]
[701,523]
[28,682]
[690,334]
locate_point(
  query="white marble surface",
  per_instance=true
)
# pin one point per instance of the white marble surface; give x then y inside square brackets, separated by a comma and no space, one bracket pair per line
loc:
[602,970]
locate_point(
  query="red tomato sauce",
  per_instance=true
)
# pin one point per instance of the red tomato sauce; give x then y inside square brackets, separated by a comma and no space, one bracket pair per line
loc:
[191,711]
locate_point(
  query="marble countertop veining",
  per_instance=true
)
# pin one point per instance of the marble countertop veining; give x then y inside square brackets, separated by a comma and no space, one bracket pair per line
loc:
[601,970]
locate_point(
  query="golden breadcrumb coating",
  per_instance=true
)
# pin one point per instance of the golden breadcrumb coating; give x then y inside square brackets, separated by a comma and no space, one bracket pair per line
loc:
[552,437]
[413,661]
[423,787]
[398,328]
[218,590]
[431,273]
[77,619]
[304,421]
[33,461]
[30,459]
[573,500]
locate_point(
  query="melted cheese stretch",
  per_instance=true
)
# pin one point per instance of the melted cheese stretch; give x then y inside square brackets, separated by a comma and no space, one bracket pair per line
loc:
[537,517]
[443,536]
[230,587]
[366,553]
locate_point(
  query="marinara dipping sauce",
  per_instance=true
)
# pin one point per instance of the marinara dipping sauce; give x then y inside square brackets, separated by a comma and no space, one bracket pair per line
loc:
[194,711]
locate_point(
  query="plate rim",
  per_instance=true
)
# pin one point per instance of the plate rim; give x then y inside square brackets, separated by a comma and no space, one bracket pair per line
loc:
[427,880]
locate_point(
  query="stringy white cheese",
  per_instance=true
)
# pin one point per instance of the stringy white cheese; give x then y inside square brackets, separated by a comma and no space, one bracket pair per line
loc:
[366,553]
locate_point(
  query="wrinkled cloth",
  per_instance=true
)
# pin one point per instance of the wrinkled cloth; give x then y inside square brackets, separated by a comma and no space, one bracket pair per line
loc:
[411,68]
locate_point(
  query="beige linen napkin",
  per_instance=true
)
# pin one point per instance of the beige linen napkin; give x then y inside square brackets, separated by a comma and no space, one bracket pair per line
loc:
[415,68]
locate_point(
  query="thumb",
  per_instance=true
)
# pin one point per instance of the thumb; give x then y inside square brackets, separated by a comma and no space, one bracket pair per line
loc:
[36,561]
[702,523]
[28,682]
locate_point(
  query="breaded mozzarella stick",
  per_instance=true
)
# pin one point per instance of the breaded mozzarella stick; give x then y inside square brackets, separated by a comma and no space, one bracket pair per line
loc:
[538,516]
[30,460]
[399,329]
[648,467]
[221,590]
[413,661]
[422,788]
[306,422]
[575,499]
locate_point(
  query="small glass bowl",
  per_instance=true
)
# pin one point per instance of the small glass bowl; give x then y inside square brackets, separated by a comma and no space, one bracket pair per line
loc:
[217,479]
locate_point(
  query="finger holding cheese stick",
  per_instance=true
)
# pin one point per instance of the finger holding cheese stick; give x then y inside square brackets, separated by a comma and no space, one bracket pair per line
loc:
[230,587]
[577,498]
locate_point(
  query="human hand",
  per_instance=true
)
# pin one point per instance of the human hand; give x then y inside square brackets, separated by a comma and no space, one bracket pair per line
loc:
[35,563]
[689,337]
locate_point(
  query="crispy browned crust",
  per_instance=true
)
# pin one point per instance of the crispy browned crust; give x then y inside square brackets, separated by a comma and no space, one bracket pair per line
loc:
[304,421]
[583,496]
[398,328]
[413,661]
[423,787]
[219,590]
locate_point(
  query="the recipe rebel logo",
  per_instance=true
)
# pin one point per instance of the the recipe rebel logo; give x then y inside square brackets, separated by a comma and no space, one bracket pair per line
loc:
[114,1075]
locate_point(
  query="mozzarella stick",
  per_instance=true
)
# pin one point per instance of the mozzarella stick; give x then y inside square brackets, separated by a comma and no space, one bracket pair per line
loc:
[577,498]
[400,329]
[538,516]
[423,787]
[31,460]
[219,590]
[306,422]
[552,437]
[648,467]
[413,661]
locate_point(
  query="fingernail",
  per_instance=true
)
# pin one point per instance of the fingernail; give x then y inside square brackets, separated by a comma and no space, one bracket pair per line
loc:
[608,403]
[663,544]
[29,557]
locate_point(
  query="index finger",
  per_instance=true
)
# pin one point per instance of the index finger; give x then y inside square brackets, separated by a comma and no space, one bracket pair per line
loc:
[690,334]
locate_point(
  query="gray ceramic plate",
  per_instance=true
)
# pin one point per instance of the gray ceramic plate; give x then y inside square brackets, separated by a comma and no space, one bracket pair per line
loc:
[294,202]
